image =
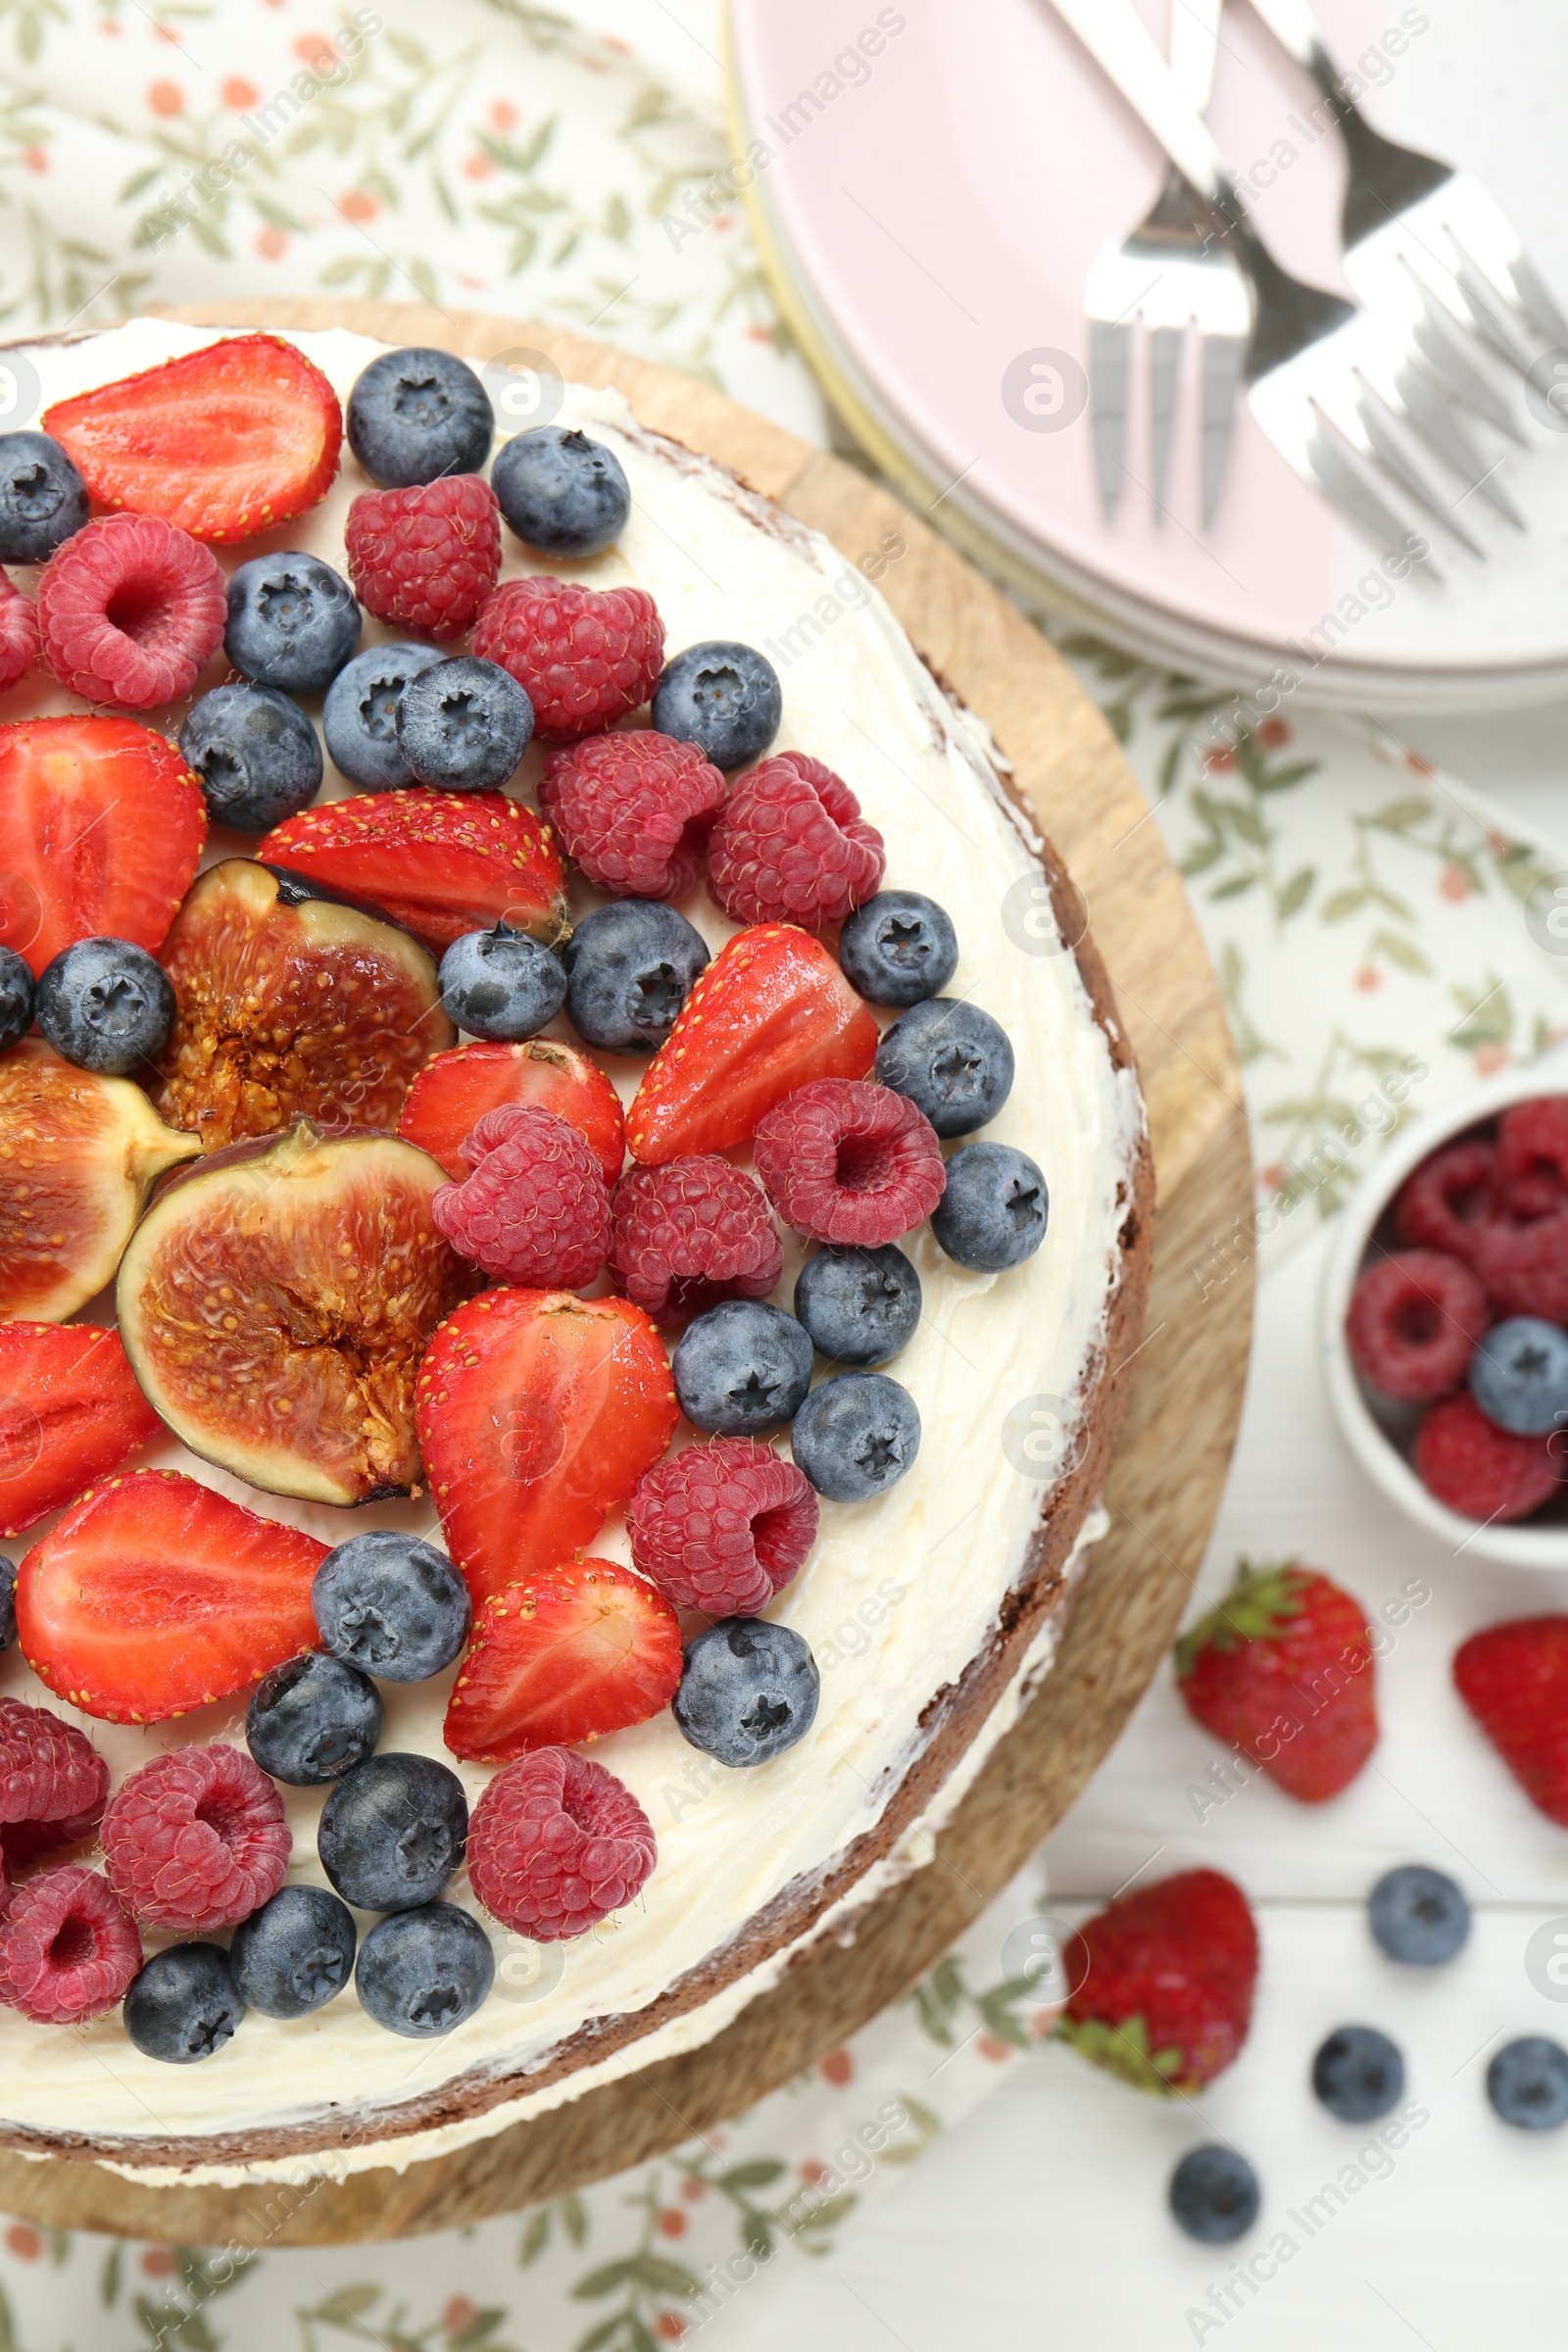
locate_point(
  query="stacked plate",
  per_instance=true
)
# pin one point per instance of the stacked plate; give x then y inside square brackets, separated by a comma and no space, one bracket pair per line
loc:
[930,185]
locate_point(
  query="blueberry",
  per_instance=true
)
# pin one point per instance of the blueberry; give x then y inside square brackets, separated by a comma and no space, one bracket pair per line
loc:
[293,622]
[1418,1915]
[415,415]
[391,1604]
[295,1953]
[360,715]
[8,1601]
[1214,2195]
[464,724]
[951,1060]
[184,2004]
[860,1306]
[856,1436]
[16,997]
[723,697]
[313,1719]
[1358,2074]
[742,1368]
[501,984]
[629,969]
[993,1212]
[257,755]
[104,1004]
[561,491]
[43,499]
[748,1690]
[423,1972]
[1527,2083]
[899,948]
[1519,1374]
[393,1832]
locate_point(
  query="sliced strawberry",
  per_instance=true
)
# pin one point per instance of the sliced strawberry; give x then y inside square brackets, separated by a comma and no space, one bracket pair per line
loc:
[567,1654]
[227,441]
[440,863]
[69,1412]
[103,824]
[771,1012]
[153,1594]
[453,1093]
[537,1414]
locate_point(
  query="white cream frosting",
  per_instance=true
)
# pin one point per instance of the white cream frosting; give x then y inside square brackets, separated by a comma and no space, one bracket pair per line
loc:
[899,1595]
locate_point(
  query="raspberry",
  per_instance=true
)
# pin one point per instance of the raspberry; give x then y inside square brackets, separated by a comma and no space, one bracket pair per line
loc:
[1533,1158]
[66,1950]
[557,1845]
[535,1209]
[1414,1317]
[634,810]
[49,1771]
[722,1527]
[690,1232]
[196,1840]
[1524,1268]
[792,846]
[426,558]
[585,656]
[843,1160]
[19,632]
[131,610]
[1447,1200]
[1477,1469]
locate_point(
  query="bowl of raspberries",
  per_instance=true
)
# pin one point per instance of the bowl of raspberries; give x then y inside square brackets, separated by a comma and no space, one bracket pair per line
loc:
[1445,1321]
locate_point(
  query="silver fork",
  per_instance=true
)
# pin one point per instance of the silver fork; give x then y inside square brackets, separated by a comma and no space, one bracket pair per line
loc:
[1171,272]
[1345,394]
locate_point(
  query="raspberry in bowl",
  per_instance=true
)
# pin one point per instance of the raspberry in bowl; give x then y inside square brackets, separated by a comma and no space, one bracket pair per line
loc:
[1445,1320]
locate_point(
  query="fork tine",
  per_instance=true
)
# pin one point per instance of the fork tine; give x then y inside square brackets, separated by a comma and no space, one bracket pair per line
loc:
[1342,480]
[1539,302]
[1110,357]
[1441,346]
[1165,353]
[1379,423]
[1490,313]
[1222,355]
[1448,435]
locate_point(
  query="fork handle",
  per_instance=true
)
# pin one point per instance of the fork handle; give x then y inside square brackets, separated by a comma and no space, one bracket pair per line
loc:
[1116,37]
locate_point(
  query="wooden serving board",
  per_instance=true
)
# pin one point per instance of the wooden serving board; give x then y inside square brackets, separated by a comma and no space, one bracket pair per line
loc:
[1185,1402]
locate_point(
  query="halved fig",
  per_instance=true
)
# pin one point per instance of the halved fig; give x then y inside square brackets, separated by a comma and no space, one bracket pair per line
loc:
[290,1004]
[78,1155]
[274,1303]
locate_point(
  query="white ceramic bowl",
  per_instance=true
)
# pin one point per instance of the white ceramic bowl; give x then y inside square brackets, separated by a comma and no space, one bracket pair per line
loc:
[1521,1546]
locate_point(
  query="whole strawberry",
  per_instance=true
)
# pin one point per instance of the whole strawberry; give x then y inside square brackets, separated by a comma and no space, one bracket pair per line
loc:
[1164,1982]
[1514,1680]
[1283,1669]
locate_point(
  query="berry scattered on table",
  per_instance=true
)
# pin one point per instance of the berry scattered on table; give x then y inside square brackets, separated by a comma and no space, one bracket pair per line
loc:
[690,1234]
[184,2005]
[534,1209]
[847,1161]
[418,413]
[68,1952]
[561,491]
[1165,1978]
[312,1719]
[1445,1202]
[422,1972]
[585,656]
[633,810]
[1531,1168]
[1413,1319]
[256,753]
[899,948]
[630,967]
[1214,2195]
[742,1369]
[43,501]
[360,715]
[859,1306]
[292,621]
[951,1060]
[295,1955]
[391,1605]
[1283,1669]
[16,998]
[1519,1376]
[426,558]
[130,611]
[792,846]
[1477,1469]
[563,1655]
[1358,2074]
[856,1436]
[19,642]
[392,1832]
[1527,2083]
[749,1691]
[501,985]
[722,1527]
[993,1210]
[453,1092]
[1418,1916]
[105,1006]
[195,1837]
[723,695]
[464,725]
[558,1845]
[1513,1678]
[71,1411]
